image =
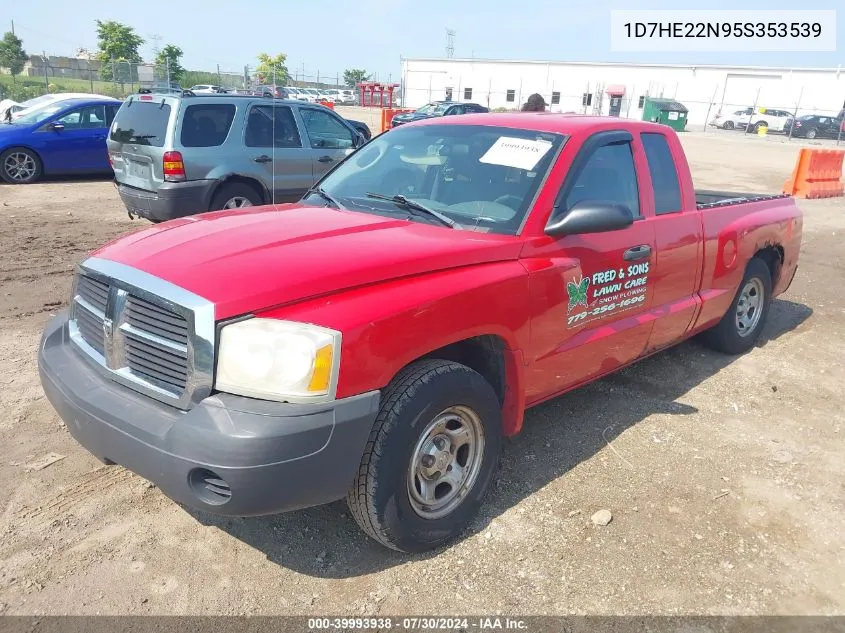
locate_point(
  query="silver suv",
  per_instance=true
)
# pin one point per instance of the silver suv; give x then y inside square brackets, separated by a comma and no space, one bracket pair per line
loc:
[179,155]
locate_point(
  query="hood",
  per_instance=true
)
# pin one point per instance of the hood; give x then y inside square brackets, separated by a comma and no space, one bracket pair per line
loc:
[246,261]
[412,116]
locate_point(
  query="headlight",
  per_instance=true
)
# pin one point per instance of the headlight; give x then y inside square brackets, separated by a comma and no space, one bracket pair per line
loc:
[278,360]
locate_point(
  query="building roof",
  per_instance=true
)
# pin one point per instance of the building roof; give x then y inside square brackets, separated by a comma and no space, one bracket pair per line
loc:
[481,60]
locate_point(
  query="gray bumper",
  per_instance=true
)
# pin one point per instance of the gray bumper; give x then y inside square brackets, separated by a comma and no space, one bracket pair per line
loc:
[171,200]
[229,455]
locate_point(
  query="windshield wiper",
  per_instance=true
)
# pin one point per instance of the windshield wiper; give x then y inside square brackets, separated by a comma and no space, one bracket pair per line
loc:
[412,205]
[325,196]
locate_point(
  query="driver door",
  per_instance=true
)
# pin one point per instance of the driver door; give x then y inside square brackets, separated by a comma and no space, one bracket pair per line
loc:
[81,143]
[329,139]
[590,293]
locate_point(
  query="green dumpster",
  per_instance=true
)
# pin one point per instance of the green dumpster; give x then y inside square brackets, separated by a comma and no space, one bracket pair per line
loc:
[666,111]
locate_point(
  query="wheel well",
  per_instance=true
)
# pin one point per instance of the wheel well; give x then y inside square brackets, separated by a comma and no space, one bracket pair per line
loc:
[773,257]
[251,182]
[483,354]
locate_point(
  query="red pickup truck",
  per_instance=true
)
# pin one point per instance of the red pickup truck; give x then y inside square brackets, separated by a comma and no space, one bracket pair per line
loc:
[377,340]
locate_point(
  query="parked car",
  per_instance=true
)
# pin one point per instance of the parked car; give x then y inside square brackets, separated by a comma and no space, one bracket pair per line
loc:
[816,126]
[278,92]
[206,89]
[54,97]
[773,119]
[377,340]
[746,119]
[62,137]
[7,108]
[362,127]
[296,94]
[437,109]
[179,155]
[737,119]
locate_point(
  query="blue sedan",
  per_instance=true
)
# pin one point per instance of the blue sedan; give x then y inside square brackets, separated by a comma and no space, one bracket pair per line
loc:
[65,137]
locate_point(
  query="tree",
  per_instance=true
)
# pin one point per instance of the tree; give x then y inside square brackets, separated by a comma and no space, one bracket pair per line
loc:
[12,54]
[268,65]
[354,76]
[168,60]
[118,51]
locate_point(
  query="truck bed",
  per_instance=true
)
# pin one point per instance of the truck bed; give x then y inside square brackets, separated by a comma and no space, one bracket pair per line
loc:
[708,199]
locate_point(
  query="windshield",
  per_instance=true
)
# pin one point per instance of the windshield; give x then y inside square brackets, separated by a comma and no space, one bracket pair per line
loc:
[39,114]
[482,177]
[428,108]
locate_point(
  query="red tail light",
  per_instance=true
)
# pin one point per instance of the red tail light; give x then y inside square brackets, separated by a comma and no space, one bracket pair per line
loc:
[173,167]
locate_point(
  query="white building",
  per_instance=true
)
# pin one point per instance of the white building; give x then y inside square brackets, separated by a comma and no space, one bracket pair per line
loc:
[598,88]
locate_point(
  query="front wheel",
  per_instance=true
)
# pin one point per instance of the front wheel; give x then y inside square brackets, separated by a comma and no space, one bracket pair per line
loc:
[729,125]
[740,328]
[20,166]
[811,133]
[430,457]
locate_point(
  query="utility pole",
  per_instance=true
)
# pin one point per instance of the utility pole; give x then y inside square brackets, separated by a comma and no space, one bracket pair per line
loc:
[13,27]
[450,43]
[46,66]
[218,74]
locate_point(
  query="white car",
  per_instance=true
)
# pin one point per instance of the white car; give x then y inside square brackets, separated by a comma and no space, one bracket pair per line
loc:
[296,94]
[33,104]
[775,120]
[205,89]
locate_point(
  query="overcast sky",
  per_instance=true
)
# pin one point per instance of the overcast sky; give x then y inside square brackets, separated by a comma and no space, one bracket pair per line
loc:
[331,35]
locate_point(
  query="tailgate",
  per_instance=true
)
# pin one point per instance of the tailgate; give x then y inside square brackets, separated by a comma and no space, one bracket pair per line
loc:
[137,139]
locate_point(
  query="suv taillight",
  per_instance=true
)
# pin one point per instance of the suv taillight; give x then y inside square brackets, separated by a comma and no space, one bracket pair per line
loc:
[173,167]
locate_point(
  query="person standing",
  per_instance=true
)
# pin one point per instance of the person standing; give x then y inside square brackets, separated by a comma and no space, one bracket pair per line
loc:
[535,103]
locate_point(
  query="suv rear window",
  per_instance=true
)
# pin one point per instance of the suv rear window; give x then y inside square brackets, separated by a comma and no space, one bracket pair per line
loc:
[141,123]
[207,124]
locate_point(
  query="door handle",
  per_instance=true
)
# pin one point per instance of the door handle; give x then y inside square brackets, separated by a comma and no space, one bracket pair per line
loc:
[262,159]
[637,252]
[325,159]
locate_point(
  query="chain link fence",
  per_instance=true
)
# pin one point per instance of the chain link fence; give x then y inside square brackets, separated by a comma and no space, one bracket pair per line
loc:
[53,74]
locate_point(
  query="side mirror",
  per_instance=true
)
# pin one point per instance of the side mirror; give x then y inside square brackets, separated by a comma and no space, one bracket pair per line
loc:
[57,127]
[589,216]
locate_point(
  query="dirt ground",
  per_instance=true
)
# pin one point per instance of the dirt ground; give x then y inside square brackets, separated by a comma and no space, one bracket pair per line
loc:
[724,476]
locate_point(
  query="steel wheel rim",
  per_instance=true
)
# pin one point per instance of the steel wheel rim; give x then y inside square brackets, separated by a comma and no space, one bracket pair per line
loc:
[445,462]
[237,202]
[19,166]
[749,308]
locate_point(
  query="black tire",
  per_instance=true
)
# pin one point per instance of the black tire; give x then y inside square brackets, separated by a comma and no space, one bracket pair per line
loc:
[811,133]
[729,125]
[760,124]
[6,174]
[727,336]
[234,190]
[380,498]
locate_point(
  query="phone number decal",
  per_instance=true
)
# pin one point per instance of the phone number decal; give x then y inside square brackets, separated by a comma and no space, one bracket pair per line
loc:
[606,293]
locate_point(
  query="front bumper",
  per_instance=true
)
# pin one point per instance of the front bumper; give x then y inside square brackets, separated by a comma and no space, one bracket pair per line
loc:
[171,200]
[229,455]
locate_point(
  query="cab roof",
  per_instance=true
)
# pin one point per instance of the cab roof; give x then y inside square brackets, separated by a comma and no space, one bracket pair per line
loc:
[551,122]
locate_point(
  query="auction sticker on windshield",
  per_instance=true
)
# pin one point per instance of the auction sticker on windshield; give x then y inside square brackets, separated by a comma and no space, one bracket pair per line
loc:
[520,153]
[606,293]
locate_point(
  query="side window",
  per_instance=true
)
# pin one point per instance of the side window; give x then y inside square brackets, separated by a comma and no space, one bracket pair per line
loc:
[325,131]
[111,112]
[608,176]
[455,110]
[664,176]
[269,126]
[207,124]
[90,117]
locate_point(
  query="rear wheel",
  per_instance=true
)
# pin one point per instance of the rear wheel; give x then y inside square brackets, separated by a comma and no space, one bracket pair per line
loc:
[759,125]
[812,133]
[729,125]
[740,328]
[20,166]
[430,457]
[235,195]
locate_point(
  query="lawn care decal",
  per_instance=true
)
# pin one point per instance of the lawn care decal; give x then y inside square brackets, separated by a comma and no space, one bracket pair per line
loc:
[606,293]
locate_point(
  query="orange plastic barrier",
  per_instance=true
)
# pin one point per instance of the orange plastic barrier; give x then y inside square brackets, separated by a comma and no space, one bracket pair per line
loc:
[328,104]
[387,115]
[817,174]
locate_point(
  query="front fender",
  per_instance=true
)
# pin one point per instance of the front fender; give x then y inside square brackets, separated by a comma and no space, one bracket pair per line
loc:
[387,326]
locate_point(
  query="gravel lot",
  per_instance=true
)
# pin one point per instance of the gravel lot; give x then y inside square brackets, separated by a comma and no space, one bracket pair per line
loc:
[724,476]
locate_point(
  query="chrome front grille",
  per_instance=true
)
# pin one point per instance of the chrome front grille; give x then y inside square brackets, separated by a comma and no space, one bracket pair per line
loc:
[144,332]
